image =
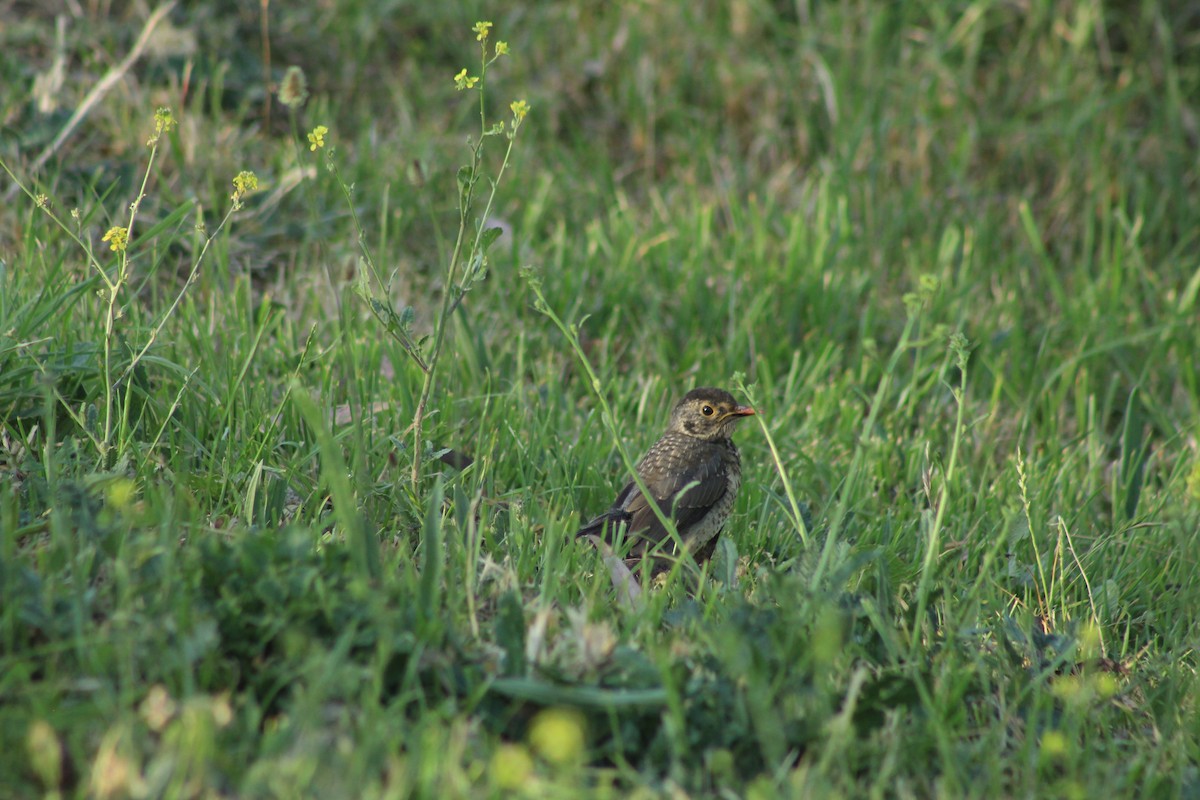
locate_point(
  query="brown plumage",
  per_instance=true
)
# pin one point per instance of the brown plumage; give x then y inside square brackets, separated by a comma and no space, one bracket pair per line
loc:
[693,472]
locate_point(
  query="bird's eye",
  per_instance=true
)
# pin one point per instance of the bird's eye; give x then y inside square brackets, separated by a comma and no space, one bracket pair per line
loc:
[707,411]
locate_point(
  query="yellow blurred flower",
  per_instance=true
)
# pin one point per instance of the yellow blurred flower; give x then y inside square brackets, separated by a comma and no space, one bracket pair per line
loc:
[510,767]
[1054,744]
[558,735]
[164,121]
[243,183]
[120,493]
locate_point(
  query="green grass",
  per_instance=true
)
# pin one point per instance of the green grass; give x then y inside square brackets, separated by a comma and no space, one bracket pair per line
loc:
[219,579]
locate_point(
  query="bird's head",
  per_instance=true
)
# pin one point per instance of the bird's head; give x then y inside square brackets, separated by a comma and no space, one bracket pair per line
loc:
[708,414]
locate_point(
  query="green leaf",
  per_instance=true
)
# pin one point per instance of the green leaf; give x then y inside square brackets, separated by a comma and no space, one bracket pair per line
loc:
[489,237]
[364,543]
[725,562]
[543,693]
[464,185]
[1133,454]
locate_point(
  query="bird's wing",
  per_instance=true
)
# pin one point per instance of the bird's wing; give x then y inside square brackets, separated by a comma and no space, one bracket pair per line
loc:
[684,495]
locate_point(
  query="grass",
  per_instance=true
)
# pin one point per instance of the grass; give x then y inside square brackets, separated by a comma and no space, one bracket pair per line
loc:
[948,250]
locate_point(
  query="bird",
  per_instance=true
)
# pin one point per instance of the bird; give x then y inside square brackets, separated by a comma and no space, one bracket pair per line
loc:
[693,472]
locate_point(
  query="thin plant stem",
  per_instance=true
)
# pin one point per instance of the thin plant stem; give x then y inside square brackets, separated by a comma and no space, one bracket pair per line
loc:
[110,315]
[452,295]
[933,538]
[571,333]
[797,516]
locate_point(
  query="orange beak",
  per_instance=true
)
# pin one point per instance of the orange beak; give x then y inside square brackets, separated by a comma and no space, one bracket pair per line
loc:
[742,411]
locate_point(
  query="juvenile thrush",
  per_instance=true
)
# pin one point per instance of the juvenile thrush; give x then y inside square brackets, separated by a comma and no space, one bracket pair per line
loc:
[693,473]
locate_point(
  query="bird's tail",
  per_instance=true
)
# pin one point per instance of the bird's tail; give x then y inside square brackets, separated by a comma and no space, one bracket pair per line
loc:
[604,525]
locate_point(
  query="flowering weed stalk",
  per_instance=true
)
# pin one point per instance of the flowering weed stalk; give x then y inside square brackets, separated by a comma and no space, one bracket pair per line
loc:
[468,262]
[120,239]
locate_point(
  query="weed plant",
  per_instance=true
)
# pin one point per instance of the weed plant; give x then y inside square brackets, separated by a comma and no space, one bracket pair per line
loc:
[299,413]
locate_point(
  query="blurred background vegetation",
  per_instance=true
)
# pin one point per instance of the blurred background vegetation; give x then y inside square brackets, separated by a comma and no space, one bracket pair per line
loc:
[814,194]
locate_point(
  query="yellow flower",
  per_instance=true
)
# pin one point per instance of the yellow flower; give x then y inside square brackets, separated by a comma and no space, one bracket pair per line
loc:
[519,108]
[558,735]
[464,81]
[1054,744]
[481,30]
[501,49]
[245,182]
[316,138]
[117,238]
[121,493]
[164,121]
[1105,685]
[511,767]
